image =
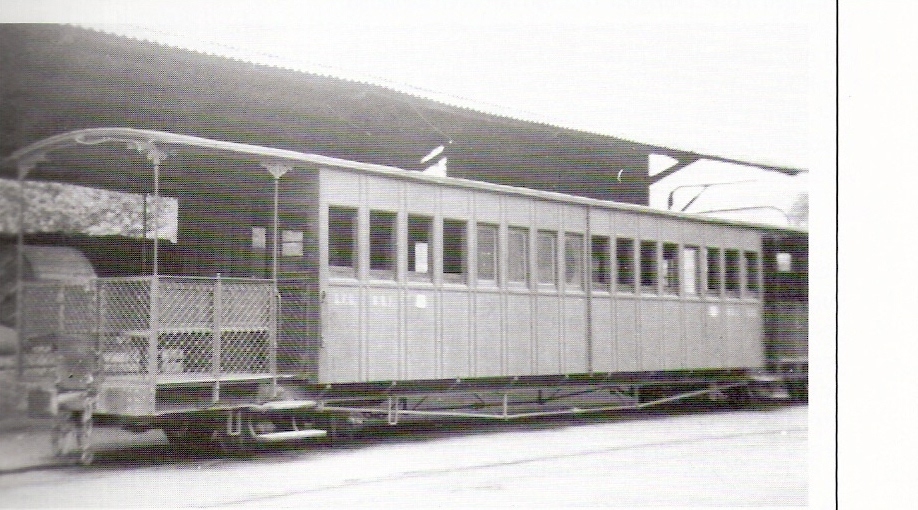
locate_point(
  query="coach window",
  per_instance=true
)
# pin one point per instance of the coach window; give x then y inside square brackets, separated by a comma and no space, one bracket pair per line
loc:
[783,261]
[487,253]
[292,243]
[670,270]
[573,261]
[518,255]
[690,270]
[624,254]
[732,273]
[420,230]
[342,240]
[454,251]
[546,248]
[382,244]
[713,272]
[599,262]
[752,273]
[649,267]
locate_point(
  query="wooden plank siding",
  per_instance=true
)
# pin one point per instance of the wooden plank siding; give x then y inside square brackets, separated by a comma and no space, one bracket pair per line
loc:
[448,323]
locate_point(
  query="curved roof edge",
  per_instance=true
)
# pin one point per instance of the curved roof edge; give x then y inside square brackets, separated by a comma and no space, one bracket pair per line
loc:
[23,160]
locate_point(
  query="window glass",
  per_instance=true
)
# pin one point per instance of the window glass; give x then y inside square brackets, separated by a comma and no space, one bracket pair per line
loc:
[784,262]
[624,254]
[670,269]
[599,262]
[342,239]
[649,266]
[714,271]
[292,243]
[454,250]
[573,261]
[732,273]
[546,247]
[690,270]
[382,243]
[752,273]
[487,252]
[419,254]
[259,238]
[518,254]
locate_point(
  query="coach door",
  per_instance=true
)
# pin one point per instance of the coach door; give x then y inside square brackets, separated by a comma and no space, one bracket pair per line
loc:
[297,275]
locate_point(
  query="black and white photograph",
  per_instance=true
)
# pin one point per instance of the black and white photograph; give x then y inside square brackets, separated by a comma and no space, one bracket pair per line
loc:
[418,254]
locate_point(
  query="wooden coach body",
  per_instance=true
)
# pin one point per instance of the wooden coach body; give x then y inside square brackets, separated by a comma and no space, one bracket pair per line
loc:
[520,283]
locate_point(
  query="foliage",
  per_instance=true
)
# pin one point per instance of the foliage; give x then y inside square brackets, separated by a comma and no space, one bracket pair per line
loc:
[56,207]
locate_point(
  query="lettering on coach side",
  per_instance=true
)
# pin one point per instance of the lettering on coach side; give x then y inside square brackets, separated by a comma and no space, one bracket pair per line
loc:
[383,301]
[344,298]
[353,299]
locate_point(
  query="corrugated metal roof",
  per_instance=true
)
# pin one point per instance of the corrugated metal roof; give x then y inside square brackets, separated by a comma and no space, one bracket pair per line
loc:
[189,42]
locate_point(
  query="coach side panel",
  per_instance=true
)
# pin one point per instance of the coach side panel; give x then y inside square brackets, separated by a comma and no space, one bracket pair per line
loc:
[422,281]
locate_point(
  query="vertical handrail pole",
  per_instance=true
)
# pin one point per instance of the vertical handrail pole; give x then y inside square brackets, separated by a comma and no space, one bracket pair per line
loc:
[20,271]
[276,220]
[217,328]
[272,355]
[152,344]
[156,156]
[277,170]
[587,277]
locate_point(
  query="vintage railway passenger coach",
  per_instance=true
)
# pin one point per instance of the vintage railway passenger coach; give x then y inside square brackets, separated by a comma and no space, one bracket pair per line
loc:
[298,295]
[424,279]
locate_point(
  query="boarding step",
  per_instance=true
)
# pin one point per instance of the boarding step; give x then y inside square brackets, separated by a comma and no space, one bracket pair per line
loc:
[287,405]
[290,435]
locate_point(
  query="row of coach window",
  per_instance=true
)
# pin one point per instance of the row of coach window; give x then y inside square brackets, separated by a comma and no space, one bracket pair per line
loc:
[630,265]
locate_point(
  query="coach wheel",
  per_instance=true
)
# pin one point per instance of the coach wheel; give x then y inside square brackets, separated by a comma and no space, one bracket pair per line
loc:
[87,456]
[739,396]
[185,434]
[799,390]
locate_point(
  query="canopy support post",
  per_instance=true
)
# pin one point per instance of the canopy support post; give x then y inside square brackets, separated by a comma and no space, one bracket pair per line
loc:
[24,166]
[156,156]
[277,171]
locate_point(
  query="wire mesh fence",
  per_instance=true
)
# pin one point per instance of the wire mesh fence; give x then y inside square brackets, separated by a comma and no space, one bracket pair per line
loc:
[159,328]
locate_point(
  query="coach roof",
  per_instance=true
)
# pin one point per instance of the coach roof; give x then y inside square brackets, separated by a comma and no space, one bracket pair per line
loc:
[54,159]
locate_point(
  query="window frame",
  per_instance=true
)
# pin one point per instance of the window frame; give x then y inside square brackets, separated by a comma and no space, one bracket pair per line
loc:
[495,253]
[753,285]
[576,240]
[716,270]
[447,243]
[649,267]
[670,270]
[602,265]
[340,270]
[546,277]
[390,254]
[626,267]
[518,260]
[427,227]
[733,278]
[686,271]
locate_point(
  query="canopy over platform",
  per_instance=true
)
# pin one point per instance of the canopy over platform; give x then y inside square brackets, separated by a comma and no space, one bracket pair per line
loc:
[64,78]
